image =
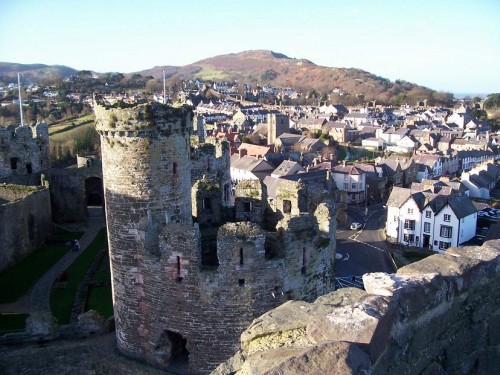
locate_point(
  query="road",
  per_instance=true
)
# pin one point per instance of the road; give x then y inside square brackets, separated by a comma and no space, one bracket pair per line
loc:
[362,251]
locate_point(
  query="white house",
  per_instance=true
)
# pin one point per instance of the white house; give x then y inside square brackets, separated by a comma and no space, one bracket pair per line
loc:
[428,220]
[248,168]
[352,180]
[373,143]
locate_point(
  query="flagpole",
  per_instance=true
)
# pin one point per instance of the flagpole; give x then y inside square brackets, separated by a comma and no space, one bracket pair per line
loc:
[20,100]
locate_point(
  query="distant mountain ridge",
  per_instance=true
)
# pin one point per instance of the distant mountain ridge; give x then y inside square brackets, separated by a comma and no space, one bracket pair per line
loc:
[263,67]
[269,68]
[36,71]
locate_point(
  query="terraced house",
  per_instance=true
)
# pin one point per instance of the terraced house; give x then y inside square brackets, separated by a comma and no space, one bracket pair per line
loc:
[433,217]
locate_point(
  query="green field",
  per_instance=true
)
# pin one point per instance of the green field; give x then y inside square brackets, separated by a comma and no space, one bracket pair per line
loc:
[211,74]
[67,126]
[61,300]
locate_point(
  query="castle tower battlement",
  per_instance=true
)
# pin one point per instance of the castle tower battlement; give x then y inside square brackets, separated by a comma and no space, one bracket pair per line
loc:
[187,271]
[24,150]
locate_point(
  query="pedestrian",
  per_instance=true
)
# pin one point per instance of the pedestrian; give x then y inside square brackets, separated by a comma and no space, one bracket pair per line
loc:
[77,245]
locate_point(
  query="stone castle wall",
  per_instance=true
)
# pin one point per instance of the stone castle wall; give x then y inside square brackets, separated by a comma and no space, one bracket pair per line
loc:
[166,299]
[26,221]
[437,316]
[24,150]
[69,193]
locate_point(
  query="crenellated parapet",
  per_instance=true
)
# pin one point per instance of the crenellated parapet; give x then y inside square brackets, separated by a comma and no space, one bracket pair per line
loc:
[142,119]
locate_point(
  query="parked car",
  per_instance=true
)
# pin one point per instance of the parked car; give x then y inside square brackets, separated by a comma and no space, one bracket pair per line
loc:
[355,226]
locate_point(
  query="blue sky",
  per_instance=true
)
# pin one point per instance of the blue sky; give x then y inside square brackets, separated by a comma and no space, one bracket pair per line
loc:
[445,45]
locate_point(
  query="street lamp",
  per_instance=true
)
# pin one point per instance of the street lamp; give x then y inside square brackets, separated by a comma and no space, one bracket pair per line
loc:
[366,198]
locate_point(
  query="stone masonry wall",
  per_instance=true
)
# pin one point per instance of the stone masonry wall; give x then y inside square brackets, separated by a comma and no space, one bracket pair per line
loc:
[436,316]
[26,221]
[165,299]
[24,150]
[67,190]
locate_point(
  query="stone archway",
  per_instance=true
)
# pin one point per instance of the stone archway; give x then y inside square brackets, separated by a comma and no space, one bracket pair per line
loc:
[170,350]
[94,196]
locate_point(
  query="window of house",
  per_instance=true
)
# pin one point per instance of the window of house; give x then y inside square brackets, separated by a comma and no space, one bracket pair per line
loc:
[346,177]
[395,218]
[353,185]
[427,227]
[444,245]
[287,206]
[346,186]
[410,210]
[447,217]
[410,224]
[445,231]
[408,237]
[427,214]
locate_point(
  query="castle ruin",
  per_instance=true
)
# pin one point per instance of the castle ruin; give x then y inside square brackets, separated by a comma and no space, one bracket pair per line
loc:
[193,259]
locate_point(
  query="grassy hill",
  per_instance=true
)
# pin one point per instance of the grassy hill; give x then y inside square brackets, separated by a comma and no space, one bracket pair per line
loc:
[8,71]
[270,68]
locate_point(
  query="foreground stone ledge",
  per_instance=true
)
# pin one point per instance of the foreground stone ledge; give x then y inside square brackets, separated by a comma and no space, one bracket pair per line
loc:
[439,315]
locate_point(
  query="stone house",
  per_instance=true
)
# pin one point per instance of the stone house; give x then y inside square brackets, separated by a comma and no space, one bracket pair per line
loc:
[285,142]
[341,132]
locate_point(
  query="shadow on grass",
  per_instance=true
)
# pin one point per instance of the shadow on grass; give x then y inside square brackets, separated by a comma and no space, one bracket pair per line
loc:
[11,322]
[17,280]
[61,300]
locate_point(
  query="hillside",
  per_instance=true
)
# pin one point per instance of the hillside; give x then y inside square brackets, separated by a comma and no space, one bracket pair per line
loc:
[8,71]
[271,68]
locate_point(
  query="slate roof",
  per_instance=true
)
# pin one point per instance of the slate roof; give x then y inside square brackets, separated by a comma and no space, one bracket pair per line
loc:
[285,168]
[398,196]
[348,169]
[248,163]
[461,205]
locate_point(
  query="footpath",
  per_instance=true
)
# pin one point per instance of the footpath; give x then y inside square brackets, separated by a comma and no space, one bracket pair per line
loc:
[39,300]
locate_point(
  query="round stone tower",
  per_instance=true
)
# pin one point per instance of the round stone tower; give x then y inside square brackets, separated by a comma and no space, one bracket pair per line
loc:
[147,186]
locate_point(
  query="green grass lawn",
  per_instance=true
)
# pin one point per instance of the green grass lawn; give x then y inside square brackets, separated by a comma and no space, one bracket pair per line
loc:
[10,322]
[101,300]
[70,124]
[61,300]
[70,132]
[18,279]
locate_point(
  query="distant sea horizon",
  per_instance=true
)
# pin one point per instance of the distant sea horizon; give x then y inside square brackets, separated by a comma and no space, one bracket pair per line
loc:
[462,95]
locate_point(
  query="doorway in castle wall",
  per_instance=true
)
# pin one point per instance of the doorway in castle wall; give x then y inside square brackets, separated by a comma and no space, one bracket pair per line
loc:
[94,196]
[170,351]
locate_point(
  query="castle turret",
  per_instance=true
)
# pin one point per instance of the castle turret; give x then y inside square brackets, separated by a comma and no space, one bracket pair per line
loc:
[147,188]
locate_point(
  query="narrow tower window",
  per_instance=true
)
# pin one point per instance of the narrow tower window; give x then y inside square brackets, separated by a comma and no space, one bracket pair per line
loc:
[179,278]
[174,168]
[241,256]
[304,261]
